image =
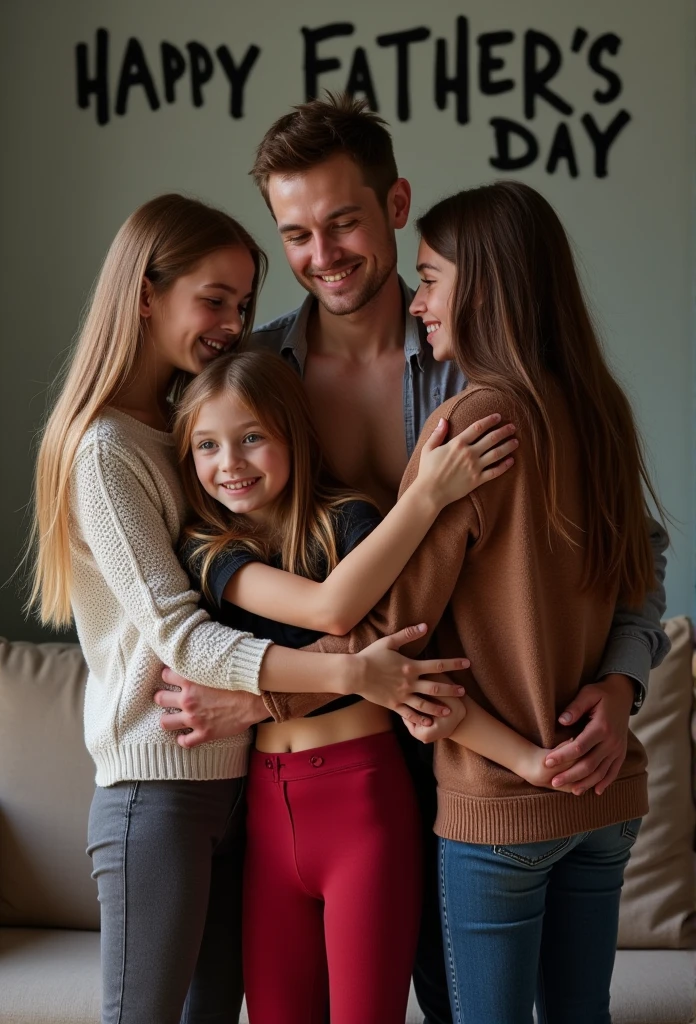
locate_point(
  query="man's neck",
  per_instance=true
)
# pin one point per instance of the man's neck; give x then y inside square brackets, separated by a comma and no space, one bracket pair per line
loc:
[362,336]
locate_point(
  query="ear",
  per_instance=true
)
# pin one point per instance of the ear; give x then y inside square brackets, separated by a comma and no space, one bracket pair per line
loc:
[399,202]
[147,294]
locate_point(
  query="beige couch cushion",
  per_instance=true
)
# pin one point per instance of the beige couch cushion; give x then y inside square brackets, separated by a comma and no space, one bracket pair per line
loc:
[659,897]
[46,786]
[49,977]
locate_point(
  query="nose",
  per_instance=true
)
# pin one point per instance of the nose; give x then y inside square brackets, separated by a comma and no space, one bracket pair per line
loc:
[233,322]
[418,305]
[232,459]
[326,251]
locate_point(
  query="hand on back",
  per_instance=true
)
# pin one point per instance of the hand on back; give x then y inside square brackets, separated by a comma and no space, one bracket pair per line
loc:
[477,455]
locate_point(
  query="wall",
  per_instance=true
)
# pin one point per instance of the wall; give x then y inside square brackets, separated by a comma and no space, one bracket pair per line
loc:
[68,181]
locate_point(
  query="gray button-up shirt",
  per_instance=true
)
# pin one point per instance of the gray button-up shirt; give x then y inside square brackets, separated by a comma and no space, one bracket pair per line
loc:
[637,641]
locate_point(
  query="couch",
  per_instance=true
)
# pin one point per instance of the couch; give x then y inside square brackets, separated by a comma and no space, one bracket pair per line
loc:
[49,919]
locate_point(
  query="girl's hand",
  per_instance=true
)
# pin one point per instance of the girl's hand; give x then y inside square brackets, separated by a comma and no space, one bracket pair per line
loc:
[442,728]
[451,471]
[533,769]
[398,683]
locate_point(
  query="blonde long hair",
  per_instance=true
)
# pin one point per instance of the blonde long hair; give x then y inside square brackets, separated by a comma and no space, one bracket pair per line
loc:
[302,524]
[162,241]
[519,317]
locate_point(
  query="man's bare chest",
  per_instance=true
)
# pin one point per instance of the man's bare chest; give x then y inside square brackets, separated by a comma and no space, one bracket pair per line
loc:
[359,415]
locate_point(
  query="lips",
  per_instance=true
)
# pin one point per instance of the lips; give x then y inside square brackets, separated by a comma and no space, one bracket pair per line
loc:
[240,486]
[337,276]
[215,346]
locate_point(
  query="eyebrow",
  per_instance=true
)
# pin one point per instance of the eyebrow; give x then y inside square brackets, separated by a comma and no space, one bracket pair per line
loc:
[427,266]
[340,212]
[225,288]
[242,426]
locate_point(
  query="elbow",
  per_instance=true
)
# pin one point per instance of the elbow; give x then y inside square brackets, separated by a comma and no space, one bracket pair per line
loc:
[333,621]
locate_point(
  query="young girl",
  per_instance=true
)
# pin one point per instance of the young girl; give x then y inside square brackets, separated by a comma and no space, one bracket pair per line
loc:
[177,289]
[332,869]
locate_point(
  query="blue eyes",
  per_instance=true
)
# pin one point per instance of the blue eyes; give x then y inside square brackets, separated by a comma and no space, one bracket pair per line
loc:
[209,446]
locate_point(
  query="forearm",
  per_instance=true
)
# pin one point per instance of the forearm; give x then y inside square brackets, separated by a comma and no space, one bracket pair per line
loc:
[484,734]
[358,582]
[637,641]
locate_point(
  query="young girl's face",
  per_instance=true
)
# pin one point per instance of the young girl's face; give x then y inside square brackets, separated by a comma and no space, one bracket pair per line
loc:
[237,461]
[202,314]
[432,302]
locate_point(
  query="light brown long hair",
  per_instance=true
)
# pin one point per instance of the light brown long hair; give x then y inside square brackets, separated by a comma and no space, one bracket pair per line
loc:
[518,316]
[301,529]
[162,240]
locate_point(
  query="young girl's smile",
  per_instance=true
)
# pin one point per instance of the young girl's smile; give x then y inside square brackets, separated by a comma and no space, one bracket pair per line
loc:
[237,461]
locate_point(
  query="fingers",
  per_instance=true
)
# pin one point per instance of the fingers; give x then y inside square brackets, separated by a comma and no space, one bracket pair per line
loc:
[411,717]
[612,773]
[492,439]
[497,470]
[494,456]
[172,678]
[580,770]
[591,737]
[427,707]
[173,722]
[167,698]
[431,667]
[404,636]
[594,779]
[437,437]
[474,431]
[584,702]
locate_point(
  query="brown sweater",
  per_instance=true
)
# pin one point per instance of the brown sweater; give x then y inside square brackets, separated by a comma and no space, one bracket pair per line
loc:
[488,577]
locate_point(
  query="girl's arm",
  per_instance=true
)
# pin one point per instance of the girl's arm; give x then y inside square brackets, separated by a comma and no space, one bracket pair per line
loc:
[446,473]
[484,734]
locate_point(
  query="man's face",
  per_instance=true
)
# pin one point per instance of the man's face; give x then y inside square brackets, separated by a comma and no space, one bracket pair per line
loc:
[338,238]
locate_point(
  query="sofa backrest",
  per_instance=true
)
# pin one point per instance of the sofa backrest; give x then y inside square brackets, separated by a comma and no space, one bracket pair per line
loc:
[46,786]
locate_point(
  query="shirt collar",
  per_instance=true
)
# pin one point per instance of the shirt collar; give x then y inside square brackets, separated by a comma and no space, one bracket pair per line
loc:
[414,333]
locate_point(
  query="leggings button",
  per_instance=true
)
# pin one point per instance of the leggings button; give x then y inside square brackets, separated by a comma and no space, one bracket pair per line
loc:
[316,762]
[269,763]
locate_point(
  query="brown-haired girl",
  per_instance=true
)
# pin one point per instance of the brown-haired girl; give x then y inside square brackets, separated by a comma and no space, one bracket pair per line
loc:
[332,878]
[525,575]
[177,289]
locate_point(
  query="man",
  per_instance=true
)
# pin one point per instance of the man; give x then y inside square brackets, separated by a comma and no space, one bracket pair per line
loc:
[328,175]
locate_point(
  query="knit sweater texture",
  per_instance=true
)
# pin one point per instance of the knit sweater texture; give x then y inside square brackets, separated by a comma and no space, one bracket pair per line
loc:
[135,610]
[491,582]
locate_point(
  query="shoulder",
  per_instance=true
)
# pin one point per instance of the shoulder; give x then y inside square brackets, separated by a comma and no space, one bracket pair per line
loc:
[473,404]
[270,335]
[353,521]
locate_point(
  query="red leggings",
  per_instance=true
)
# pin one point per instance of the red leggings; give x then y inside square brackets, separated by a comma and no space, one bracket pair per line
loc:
[332,884]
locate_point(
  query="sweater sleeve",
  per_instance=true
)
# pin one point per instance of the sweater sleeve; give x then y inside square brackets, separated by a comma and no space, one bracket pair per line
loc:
[121,519]
[420,594]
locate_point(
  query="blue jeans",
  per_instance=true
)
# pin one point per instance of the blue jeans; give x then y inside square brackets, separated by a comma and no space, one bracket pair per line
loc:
[533,923]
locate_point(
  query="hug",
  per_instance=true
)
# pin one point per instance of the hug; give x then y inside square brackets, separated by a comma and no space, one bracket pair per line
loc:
[394,555]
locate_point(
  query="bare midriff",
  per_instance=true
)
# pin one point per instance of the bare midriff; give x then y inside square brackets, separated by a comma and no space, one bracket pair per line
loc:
[351,723]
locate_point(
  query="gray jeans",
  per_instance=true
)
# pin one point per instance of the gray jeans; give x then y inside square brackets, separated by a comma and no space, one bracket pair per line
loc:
[167,858]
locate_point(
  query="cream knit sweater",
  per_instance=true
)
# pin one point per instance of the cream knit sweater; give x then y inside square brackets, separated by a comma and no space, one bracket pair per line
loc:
[135,610]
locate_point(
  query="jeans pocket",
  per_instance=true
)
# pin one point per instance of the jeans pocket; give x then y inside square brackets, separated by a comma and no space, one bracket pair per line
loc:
[630,829]
[531,855]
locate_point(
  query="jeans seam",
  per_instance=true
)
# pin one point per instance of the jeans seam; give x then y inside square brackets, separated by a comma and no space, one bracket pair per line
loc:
[505,851]
[445,927]
[127,818]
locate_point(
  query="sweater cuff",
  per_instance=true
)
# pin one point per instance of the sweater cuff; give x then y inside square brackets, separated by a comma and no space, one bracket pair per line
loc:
[246,664]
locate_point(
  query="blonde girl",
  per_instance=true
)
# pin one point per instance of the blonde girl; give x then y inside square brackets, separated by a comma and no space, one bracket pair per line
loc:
[178,288]
[332,870]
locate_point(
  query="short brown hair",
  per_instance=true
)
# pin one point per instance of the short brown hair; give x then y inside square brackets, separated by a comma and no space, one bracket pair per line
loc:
[312,132]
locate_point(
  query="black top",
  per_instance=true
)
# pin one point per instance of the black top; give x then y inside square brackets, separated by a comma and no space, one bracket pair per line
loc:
[352,523]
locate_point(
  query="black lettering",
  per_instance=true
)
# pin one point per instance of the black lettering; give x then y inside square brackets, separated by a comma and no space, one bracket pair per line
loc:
[503,160]
[313,66]
[402,41]
[579,37]
[360,79]
[173,67]
[134,71]
[237,76]
[459,83]
[536,78]
[603,140]
[202,68]
[99,85]
[611,44]
[488,63]
[562,149]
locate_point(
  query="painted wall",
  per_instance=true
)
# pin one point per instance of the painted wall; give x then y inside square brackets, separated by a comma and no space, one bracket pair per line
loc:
[104,105]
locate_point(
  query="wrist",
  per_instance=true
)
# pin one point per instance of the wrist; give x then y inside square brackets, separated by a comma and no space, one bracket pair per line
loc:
[424,498]
[625,687]
[350,675]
